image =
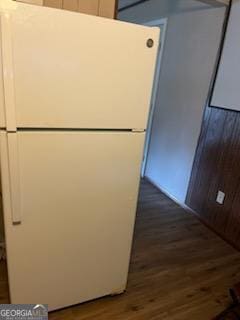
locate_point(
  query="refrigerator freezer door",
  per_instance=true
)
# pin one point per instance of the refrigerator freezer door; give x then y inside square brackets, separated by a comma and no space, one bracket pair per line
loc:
[72,70]
[78,193]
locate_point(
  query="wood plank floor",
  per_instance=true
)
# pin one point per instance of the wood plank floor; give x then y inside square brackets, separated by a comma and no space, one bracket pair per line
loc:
[179,269]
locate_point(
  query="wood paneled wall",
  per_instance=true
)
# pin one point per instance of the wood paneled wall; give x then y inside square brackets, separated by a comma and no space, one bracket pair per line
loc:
[217,167]
[103,8]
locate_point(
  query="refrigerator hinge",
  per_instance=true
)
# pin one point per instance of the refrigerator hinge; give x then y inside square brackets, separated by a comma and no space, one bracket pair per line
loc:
[138,130]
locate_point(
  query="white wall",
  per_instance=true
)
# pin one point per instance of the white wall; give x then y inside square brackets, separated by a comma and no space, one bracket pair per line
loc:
[191,45]
[226,92]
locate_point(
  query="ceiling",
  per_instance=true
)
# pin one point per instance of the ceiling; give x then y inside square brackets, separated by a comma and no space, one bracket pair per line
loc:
[124,3]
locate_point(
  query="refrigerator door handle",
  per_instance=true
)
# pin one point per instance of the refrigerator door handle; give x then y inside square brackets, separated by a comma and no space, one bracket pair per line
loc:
[14,177]
[8,73]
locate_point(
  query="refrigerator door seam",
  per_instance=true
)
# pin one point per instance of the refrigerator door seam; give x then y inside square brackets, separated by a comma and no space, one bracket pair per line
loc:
[24,129]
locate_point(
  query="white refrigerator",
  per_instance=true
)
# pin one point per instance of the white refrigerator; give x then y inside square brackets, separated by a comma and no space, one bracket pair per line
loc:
[75,92]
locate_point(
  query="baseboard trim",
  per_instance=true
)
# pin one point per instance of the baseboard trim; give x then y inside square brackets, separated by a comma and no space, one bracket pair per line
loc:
[188,209]
[168,194]
[219,234]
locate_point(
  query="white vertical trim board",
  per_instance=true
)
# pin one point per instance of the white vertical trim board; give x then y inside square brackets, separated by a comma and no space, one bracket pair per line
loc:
[162,23]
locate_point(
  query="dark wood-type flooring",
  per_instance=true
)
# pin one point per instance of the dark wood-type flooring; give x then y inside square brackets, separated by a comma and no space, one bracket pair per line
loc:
[179,269]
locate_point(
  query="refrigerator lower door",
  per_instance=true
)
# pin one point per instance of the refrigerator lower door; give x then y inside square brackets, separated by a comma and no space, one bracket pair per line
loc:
[77,202]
